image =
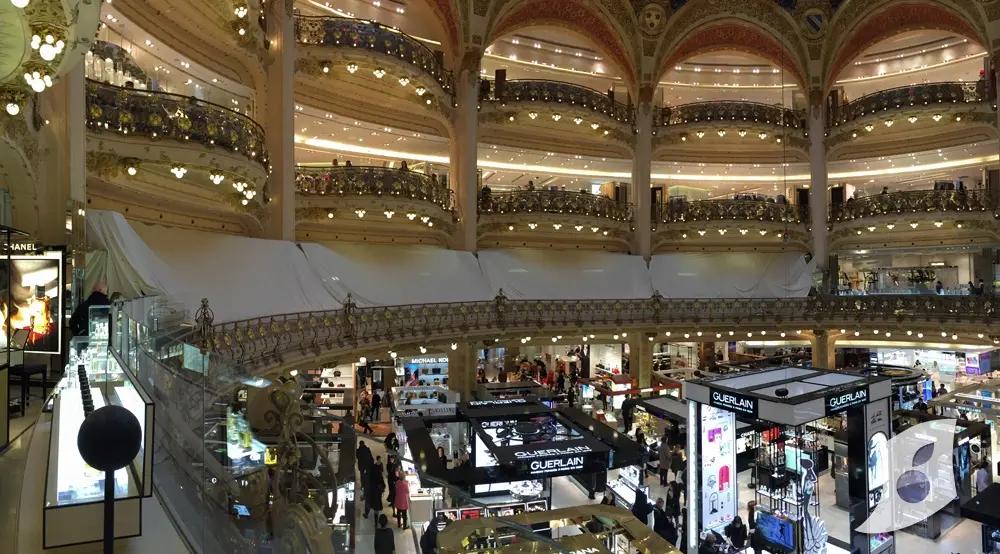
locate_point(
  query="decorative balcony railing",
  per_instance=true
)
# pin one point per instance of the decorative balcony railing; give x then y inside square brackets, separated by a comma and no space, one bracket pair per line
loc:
[727,111]
[373,181]
[556,92]
[369,35]
[924,94]
[911,202]
[275,336]
[730,210]
[160,115]
[553,202]
[121,58]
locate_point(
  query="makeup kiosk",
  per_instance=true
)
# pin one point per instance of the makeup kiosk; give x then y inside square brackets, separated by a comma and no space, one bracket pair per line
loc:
[517,445]
[785,399]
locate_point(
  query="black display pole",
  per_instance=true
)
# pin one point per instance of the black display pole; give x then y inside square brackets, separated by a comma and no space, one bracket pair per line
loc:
[109,440]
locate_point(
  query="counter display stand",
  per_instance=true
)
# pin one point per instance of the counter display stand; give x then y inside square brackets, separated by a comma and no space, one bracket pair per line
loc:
[74,492]
[626,485]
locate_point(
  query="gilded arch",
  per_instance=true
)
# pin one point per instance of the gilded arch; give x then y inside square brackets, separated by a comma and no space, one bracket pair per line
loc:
[734,36]
[774,29]
[577,16]
[852,32]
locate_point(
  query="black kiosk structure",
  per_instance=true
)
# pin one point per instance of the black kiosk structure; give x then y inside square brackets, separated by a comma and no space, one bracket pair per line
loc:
[784,400]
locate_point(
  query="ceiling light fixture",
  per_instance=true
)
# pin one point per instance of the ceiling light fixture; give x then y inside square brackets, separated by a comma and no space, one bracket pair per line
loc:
[532,115]
[420,91]
[378,72]
[361,212]
[352,67]
[403,81]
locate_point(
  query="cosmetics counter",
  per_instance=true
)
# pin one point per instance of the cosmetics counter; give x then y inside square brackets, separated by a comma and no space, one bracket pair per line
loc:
[73,508]
[982,508]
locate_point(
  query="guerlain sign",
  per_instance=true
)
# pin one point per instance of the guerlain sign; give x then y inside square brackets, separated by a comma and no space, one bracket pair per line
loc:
[550,452]
[839,402]
[733,402]
[557,465]
[498,402]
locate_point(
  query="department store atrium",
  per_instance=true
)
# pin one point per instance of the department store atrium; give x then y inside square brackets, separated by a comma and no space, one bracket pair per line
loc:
[272,266]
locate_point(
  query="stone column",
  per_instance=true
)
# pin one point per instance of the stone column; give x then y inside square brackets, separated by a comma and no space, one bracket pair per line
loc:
[462,369]
[824,349]
[464,171]
[640,359]
[277,105]
[62,180]
[818,193]
[641,170]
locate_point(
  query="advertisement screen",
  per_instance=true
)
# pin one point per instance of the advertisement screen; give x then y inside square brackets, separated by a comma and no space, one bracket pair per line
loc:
[776,531]
[718,474]
[36,300]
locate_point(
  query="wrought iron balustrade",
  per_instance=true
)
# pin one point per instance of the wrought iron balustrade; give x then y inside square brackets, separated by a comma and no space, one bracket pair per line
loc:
[553,202]
[725,110]
[913,201]
[557,92]
[924,94]
[351,326]
[370,35]
[372,181]
[730,210]
[161,115]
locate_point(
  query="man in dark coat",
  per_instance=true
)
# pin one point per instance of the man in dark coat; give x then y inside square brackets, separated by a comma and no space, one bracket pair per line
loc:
[79,322]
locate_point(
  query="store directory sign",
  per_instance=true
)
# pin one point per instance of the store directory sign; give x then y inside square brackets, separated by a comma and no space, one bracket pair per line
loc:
[718,470]
[744,405]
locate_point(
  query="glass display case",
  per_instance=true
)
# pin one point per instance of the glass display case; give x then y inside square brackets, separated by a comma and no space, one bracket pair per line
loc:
[74,491]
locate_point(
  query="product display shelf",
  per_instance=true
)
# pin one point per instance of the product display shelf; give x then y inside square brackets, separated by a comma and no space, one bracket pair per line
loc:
[74,492]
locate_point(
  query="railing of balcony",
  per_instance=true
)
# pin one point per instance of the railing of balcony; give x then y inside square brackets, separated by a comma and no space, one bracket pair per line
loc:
[553,202]
[730,210]
[923,94]
[161,115]
[725,110]
[370,35]
[268,337]
[373,181]
[556,92]
[913,201]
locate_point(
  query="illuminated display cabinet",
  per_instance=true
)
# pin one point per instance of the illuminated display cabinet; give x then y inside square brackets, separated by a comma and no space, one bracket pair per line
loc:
[73,509]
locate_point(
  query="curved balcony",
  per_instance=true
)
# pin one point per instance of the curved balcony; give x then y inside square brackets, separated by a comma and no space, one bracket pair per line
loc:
[900,98]
[369,36]
[349,198]
[728,111]
[153,145]
[283,340]
[912,202]
[725,223]
[557,93]
[552,216]
[931,218]
[164,116]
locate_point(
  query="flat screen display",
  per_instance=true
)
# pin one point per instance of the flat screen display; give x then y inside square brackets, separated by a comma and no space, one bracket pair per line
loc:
[777,531]
[718,472]
[36,293]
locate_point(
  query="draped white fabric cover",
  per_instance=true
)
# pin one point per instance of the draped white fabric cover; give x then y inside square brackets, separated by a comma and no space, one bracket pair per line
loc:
[396,275]
[731,275]
[121,259]
[241,277]
[564,275]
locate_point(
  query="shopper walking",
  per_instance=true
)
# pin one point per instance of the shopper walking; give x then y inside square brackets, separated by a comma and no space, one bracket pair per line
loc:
[376,414]
[392,473]
[364,459]
[677,463]
[363,422]
[374,490]
[660,520]
[443,457]
[429,541]
[402,502]
[385,541]
[642,508]
[737,533]
[673,505]
[378,470]
[666,454]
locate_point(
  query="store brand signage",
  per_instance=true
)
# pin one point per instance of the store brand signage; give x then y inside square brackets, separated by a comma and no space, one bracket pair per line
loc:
[424,410]
[428,360]
[588,550]
[839,402]
[571,463]
[20,247]
[497,402]
[733,402]
[551,452]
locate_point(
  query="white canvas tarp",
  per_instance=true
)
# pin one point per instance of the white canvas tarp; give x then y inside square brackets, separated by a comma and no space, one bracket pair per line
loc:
[564,275]
[241,277]
[397,275]
[731,275]
[119,258]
